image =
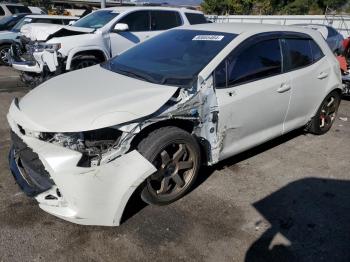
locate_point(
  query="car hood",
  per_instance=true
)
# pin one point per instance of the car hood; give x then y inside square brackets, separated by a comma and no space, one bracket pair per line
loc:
[43,32]
[5,35]
[89,99]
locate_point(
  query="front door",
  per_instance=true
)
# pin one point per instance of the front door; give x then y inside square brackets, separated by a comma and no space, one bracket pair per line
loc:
[253,96]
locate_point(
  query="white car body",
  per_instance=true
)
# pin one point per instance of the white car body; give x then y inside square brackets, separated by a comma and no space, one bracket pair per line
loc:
[7,9]
[103,42]
[230,120]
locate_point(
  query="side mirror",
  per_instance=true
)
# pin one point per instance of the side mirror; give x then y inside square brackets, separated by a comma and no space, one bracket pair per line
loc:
[71,22]
[120,27]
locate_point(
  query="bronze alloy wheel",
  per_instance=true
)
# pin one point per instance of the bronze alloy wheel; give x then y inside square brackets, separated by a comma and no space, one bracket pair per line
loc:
[328,112]
[176,155]
[322,122]
[175,171]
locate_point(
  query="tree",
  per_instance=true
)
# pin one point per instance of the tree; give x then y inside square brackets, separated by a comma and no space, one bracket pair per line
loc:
[269,7]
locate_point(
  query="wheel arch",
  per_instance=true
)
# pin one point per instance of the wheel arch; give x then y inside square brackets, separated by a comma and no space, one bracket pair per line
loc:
[97,52]
[187,125]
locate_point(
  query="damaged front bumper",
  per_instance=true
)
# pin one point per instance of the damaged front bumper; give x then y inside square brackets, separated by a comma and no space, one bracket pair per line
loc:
[31,61]
[89,196]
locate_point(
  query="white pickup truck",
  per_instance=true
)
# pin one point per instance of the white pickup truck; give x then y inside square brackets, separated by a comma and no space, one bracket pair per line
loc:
[48,50]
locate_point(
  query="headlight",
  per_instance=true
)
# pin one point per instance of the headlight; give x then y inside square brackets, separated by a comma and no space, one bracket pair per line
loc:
[92,144]
[39,47]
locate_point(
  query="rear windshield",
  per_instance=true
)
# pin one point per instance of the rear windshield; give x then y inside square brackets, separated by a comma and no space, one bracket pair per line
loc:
[16,9]
[96,19]
[191,51]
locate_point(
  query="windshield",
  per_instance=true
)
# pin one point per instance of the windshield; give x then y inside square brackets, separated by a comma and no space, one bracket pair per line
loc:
[172,58]
[21,23]
[6,19]
[96,19]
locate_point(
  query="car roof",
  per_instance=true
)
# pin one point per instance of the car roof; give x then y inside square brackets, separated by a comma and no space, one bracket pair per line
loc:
[121,9]
[240,28]
[52,16]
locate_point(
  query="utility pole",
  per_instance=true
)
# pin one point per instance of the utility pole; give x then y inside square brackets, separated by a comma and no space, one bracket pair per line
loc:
[103,3]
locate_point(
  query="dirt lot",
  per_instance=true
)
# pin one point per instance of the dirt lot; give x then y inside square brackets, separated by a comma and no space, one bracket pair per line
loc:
[288,200]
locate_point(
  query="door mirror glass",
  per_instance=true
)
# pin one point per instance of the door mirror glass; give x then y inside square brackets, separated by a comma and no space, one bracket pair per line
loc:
[120,27]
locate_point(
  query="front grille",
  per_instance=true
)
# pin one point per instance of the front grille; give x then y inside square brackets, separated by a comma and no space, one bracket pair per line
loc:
[30,166]
[23,52]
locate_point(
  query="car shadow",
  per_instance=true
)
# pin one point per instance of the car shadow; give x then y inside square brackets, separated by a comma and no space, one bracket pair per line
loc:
[207,171]
[135,204]
[309,221]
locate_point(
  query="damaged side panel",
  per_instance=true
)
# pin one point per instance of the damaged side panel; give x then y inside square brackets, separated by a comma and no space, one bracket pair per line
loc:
[198,105]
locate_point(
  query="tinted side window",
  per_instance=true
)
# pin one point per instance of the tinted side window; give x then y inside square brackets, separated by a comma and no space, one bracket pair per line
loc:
[331,32]
[66,21]
[316,51]
[16,9]
[47,21]
[258,61]
[163,20]
[137,21]
[2,12]
[299,53]
[195,19]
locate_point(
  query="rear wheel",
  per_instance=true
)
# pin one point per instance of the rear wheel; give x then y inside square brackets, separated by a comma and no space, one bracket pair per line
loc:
[3,54]
[176,155]
[326,114]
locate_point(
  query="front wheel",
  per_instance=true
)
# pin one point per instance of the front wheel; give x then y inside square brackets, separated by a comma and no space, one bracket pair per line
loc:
[326,114]
[83,62]
[176,155]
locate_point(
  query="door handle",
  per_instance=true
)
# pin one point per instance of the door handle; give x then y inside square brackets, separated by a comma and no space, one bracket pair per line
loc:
[284,88]
[322,75]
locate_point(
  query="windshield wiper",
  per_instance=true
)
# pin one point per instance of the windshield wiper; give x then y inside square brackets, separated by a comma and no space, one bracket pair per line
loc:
[177,80]
[138,75]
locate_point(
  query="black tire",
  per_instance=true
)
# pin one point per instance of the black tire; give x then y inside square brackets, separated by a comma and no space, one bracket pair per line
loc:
[81,62]
[3,50]
[322,122]
[172,180]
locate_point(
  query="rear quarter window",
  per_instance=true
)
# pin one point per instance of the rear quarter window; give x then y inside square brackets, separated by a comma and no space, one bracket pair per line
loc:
[316,51]
[2,12]
[195,19]
[16,9]
[299,53]
[163,20]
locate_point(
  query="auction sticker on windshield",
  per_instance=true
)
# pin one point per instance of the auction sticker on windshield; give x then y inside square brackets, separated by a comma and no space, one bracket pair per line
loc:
[208,38]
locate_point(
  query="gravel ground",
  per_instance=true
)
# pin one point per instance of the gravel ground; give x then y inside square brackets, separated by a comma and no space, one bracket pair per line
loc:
[287,200]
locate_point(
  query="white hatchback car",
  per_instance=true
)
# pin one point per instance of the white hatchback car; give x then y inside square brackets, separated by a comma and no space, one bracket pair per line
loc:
[85,141]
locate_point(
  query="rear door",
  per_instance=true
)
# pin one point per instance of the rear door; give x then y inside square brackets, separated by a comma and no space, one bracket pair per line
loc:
[139,30]
[253,95]
[162,20]
[309,70]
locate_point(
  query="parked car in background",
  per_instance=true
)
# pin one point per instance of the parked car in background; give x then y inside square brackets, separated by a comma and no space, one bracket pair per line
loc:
[8,9]
[333,38]
[146,120]
[7,38]
[37,10]
[93,39]
[7,22]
